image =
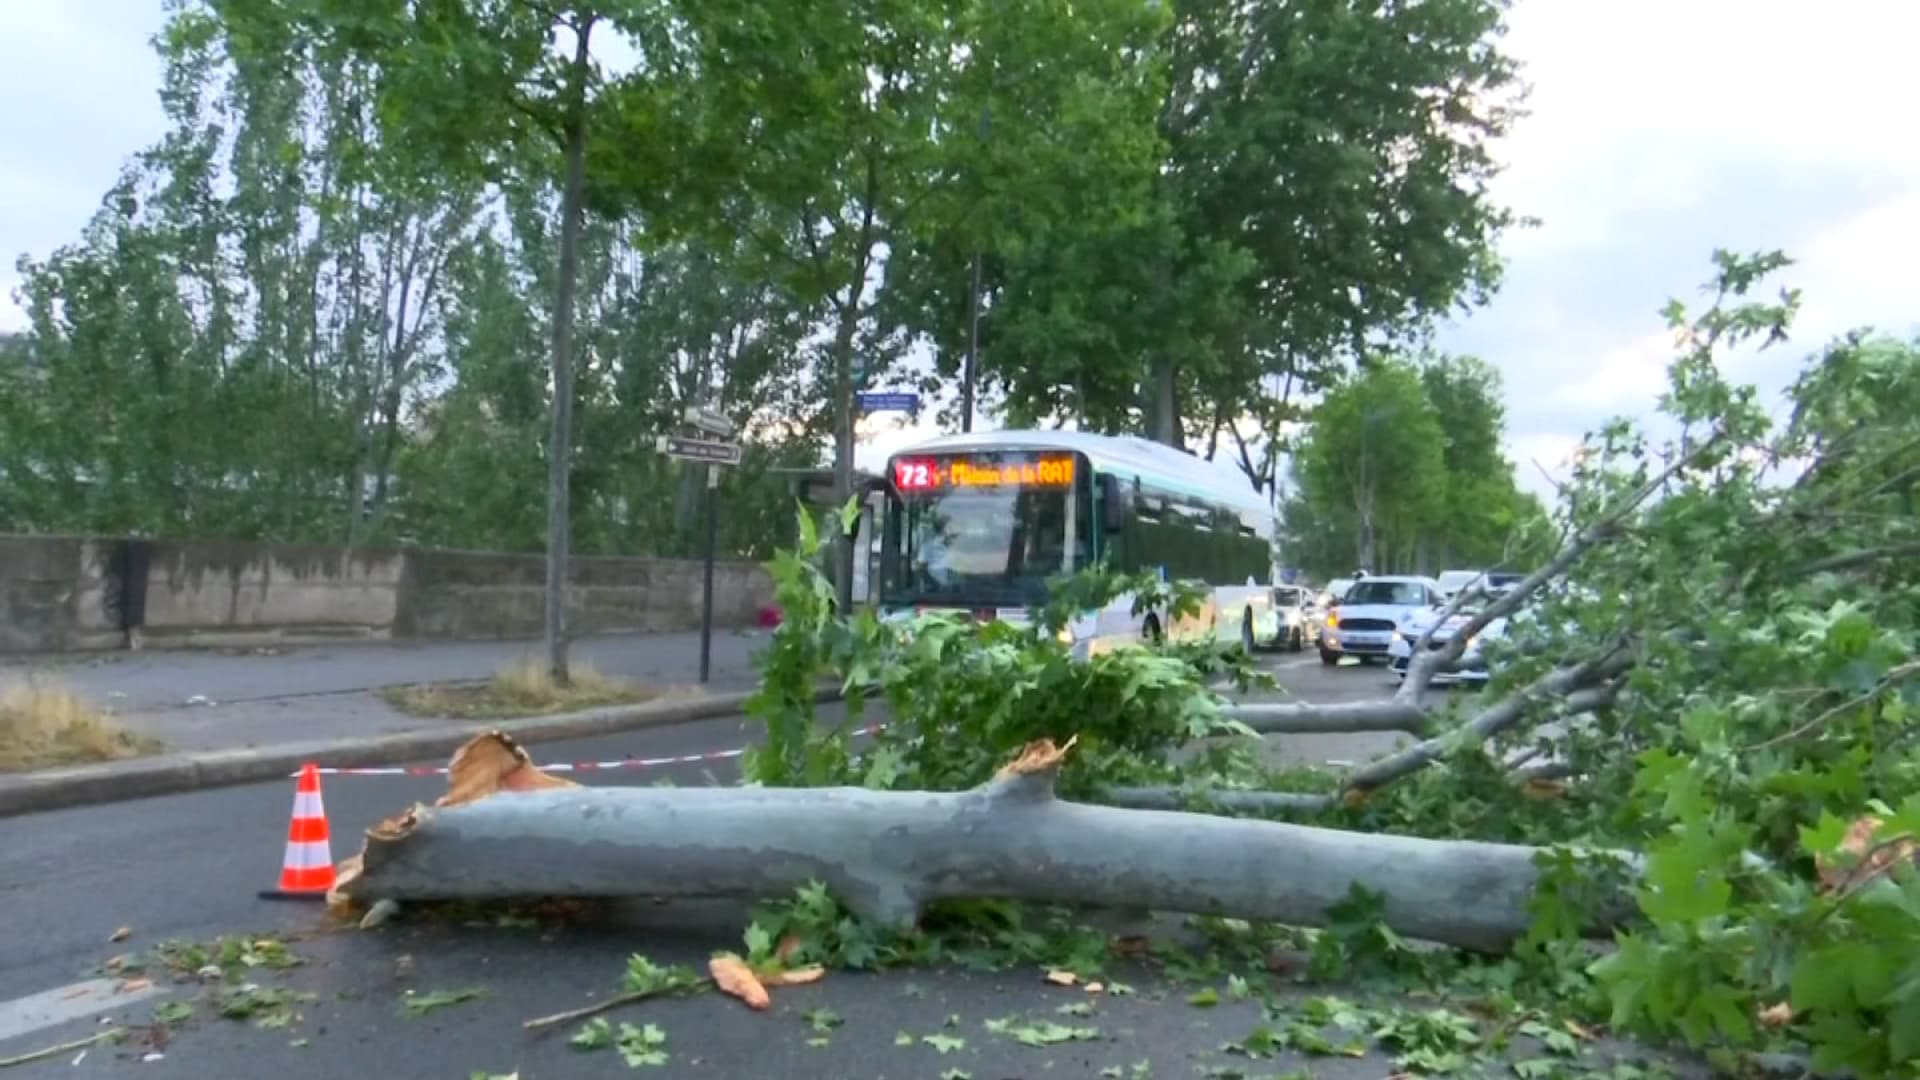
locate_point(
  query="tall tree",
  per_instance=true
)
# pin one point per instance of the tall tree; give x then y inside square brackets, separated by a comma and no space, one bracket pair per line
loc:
[830,150]
[1374,459]
[475,86]
[1319,188]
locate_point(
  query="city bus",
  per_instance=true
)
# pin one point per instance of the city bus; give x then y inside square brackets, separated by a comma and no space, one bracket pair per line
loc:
[980,523]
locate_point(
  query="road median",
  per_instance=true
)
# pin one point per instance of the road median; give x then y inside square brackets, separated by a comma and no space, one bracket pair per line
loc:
[173,773]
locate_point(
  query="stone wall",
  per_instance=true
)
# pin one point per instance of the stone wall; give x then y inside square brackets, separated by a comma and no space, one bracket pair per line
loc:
[459,594]
[57,593]
[66,593]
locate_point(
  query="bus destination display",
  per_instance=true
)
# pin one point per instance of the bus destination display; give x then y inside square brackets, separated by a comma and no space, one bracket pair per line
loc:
[940,474]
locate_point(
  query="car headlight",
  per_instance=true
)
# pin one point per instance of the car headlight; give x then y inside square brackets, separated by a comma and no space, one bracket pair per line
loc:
[1064,635]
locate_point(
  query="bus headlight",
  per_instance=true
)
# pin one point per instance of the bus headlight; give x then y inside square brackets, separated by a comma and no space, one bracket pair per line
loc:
[1064,635]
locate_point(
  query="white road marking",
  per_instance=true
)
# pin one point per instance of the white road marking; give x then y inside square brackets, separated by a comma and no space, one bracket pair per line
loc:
[23,1016]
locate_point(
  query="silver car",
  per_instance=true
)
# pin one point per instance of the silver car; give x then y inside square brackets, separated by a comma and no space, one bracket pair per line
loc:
[1297,618]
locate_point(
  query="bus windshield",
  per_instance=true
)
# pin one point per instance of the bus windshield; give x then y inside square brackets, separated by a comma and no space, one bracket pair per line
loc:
[986,529]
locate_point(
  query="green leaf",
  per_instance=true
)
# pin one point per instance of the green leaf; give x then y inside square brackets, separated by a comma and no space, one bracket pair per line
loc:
[595,1034]
[759,942]
[415,1004]
[642,1046]
[1205,998]
[945,1044]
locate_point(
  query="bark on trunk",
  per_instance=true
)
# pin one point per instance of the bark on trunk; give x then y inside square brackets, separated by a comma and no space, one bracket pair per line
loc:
[1306,718]
[887,854]
[560,449]
[843,444]
[1163,422]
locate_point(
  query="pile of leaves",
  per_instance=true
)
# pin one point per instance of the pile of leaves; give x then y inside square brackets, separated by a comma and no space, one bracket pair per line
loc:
[963,697]
[1759,575]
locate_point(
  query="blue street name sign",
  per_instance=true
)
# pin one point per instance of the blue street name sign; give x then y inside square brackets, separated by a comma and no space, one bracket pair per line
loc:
[889,402]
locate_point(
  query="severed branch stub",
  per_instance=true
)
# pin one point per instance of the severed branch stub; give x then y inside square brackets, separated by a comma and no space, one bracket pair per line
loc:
[887,854]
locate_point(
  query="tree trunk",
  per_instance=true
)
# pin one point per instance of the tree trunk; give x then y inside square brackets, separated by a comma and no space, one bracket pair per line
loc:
[887,854]
[560,451]
[843,345]
[849,323]
[1163,416]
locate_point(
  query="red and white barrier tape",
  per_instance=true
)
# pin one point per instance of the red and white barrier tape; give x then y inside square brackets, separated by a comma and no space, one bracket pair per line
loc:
[575,766]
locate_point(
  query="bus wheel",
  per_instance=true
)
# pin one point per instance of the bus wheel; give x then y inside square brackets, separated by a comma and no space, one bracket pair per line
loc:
[1150,630]
[1299,641]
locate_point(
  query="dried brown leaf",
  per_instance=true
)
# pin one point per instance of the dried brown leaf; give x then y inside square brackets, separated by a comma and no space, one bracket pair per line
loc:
[1059,977]
[1096,987]
[791,976]
[121,934]
[1876,858]
[732,975]
[1130,944]
[1777,1016]
[1544,789]
[133,986]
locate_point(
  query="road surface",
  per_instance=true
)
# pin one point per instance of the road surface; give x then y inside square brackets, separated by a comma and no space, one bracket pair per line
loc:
[216,699]
[189,867]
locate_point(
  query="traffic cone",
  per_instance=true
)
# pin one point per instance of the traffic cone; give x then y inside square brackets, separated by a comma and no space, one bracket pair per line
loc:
[306,872]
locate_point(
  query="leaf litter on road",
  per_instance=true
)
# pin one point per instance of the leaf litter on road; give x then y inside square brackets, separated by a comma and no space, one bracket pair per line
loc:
[416,1004]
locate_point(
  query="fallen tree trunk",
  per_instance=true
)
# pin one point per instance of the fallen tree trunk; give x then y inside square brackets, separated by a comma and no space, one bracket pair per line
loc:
[887,854]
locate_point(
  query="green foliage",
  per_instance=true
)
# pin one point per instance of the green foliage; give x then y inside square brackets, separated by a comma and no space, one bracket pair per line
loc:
[965,697]
[1770,598]
[1402,470]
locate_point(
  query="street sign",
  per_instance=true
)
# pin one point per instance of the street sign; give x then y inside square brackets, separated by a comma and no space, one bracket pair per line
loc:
[889,402]
[707,420]
[716,453]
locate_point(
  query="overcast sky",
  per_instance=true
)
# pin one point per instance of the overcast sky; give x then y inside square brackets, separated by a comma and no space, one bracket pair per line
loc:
[1658,131]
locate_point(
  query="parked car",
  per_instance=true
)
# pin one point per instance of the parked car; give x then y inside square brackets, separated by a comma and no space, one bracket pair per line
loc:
[1496,581]
[1470,667]
[1297,617]
[1372,610]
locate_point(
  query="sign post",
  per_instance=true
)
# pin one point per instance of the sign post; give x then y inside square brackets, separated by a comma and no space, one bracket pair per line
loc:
[712,454]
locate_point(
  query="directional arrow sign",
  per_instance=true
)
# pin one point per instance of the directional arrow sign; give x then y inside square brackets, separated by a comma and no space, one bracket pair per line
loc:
[717,453]
[711,422]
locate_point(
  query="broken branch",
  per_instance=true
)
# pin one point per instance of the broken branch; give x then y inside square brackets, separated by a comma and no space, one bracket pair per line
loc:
[1501,716]
[1427,661]
[613,1002]
[1305,718]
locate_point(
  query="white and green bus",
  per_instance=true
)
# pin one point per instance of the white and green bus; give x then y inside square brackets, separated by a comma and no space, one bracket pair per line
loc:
[981,522]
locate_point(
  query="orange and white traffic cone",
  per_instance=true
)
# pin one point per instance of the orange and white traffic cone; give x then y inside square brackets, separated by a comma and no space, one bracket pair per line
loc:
[306,872]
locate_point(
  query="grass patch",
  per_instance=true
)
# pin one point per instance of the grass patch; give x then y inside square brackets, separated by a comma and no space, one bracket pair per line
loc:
[44,725]
[523,688]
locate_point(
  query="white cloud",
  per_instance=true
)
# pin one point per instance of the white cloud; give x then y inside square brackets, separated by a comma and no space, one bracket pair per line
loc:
[1659,131]
[79,83]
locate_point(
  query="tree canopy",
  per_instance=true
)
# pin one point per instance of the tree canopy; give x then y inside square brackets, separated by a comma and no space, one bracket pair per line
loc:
[1402,470]
[350,248]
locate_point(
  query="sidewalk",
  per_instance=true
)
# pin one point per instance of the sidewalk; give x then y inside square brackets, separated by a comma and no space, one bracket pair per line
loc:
[194,700]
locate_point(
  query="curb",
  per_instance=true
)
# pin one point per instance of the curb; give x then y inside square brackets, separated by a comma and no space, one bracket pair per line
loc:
[169,774]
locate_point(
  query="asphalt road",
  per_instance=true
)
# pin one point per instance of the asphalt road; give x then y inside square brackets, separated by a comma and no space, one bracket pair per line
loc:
[156,679]
[216,699]
[189,867]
